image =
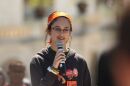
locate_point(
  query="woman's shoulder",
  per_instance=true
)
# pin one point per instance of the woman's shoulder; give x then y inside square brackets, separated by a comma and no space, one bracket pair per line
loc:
[77,56]
[41,53]
[40,56]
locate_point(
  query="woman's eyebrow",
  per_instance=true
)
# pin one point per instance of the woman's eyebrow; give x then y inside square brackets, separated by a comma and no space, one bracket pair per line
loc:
[57,26]
[64,27]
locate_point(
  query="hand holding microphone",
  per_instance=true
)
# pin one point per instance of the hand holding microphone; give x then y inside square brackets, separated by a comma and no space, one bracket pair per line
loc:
[59,59]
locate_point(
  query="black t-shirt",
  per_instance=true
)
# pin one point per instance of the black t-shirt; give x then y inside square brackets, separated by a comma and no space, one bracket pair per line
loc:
[76,67]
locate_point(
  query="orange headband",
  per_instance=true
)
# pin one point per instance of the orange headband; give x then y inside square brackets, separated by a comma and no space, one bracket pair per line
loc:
[56,14]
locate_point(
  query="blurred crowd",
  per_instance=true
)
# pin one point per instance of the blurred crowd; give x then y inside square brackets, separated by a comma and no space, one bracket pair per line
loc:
[14,75]
[113,65]
[108,67]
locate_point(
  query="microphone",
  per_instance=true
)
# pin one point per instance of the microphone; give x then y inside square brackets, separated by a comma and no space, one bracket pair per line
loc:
[60,47]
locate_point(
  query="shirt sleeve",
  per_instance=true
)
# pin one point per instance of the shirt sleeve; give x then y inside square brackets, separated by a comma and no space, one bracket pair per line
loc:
[39,74]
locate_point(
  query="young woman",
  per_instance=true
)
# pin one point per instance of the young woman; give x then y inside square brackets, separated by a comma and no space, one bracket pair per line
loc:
[45,66]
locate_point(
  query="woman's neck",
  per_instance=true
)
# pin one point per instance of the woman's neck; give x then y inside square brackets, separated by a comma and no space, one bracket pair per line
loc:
[55,49]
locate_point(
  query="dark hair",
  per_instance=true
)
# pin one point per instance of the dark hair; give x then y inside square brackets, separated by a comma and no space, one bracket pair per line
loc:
[48,29]
[16,66]
[124,29]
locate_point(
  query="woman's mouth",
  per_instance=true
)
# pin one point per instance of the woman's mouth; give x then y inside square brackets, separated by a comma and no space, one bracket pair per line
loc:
[59,38]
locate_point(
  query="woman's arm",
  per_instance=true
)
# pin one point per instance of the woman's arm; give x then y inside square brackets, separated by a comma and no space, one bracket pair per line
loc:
[39,75]
[86,75]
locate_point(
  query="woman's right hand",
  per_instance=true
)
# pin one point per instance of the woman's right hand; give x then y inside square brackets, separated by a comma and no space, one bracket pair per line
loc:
[60,56]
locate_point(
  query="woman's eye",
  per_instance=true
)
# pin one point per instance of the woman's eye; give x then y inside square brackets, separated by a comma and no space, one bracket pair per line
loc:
[57,29]
[66,30]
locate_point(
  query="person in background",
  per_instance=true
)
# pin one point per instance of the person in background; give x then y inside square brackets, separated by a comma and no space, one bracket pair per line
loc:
[2,78]
[16,73]
[45,67]
[114,65]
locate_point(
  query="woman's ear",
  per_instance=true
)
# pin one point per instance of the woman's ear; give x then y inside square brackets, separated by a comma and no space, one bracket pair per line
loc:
[49,32]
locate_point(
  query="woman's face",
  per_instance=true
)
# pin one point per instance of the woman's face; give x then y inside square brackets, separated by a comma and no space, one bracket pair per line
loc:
[60,30]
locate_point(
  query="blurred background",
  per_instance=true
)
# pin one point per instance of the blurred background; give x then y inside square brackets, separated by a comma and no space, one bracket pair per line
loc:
[23,24]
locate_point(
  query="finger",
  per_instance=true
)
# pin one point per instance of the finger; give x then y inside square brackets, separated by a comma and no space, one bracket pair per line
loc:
[59,54]
[60,57]
[59,51]
[59,61]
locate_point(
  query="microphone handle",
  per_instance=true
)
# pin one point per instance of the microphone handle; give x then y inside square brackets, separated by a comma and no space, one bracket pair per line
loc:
[62,66]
